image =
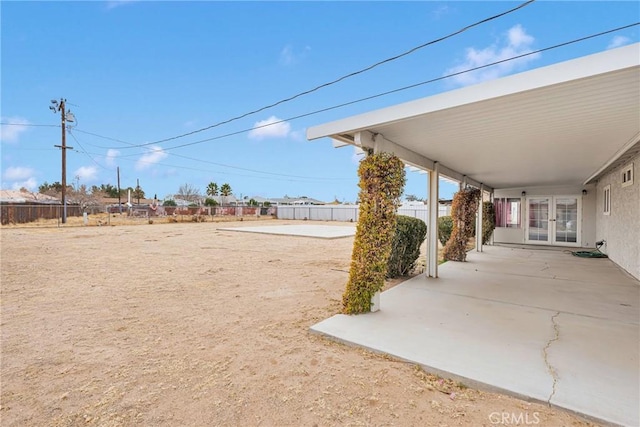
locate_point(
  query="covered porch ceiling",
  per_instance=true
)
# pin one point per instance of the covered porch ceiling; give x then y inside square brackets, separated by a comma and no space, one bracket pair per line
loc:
[562,124]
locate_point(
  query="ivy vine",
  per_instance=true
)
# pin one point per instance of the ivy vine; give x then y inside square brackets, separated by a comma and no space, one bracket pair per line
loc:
[488,221]
[382,179]
[463,214]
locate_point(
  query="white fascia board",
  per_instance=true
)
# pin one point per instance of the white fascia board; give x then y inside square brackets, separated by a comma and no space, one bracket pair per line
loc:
[615,157]
[584,67]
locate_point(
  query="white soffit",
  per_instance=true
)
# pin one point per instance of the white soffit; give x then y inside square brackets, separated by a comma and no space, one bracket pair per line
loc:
[553,125]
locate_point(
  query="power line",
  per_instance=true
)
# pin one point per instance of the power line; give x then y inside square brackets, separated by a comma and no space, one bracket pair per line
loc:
[298,177]
[85,151]
[391,91]
[201,160]
[290,178]
[317,178]
[27,124]
[131,145]
[346,76]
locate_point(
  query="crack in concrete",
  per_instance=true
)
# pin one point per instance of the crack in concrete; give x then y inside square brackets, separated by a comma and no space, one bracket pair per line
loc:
[552,371]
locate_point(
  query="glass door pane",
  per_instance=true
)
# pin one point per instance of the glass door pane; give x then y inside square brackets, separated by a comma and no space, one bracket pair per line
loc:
[538,221]
[566,227]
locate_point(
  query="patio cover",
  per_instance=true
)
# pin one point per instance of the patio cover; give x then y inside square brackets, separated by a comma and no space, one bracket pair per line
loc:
[553,125]
[564,124]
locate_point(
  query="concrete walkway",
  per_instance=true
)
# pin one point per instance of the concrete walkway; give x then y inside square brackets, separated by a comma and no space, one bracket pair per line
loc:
[539,324]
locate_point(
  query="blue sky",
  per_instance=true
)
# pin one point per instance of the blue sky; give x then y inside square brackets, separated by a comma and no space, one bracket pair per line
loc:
[138,72]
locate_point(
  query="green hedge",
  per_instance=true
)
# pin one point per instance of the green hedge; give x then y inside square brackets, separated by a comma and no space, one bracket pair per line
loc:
[445,227]
[405,249]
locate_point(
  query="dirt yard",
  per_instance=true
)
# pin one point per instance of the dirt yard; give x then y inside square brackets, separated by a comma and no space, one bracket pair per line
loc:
[187,325]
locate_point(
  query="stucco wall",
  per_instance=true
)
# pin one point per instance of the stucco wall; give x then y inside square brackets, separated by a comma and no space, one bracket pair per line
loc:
[588,213]
[621,229]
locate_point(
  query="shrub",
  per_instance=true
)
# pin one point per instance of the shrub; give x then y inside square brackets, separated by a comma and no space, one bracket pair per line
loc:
[488,221]
[463,213]
[382,179]
[169,202]
[405,249]
[445,227]
[210,202]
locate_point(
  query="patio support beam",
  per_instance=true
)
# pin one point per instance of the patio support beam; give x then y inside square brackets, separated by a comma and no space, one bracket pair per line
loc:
[432,226]
[379,144]
[479,221]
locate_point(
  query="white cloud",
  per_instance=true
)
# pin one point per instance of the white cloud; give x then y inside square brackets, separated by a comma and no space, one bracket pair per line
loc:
[17,173]
[154,155]
[618,41]
[11,133]
[272,127]
[289,57]
[18,177]
[110,159]
[30,184]
[86,173]
[516,42]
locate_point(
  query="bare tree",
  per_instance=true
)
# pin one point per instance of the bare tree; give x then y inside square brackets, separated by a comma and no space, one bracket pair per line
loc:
[189,193]
[84,197]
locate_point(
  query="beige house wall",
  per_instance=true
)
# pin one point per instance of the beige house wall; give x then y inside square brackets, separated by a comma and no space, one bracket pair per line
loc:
[621,228]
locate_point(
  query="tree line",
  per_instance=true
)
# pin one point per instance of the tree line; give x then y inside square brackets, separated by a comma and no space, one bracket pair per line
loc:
[187,192]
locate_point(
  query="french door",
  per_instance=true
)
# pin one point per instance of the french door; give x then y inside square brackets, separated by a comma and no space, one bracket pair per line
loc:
[553,220]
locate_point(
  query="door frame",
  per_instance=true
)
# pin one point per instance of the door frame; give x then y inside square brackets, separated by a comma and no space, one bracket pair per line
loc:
[551,230]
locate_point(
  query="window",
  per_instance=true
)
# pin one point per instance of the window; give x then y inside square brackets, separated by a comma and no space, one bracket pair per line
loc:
[606,208]
[507,212]
[627,175]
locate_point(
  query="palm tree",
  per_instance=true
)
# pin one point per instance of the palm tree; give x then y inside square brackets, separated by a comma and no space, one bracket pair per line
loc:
[225,190]
[212,189]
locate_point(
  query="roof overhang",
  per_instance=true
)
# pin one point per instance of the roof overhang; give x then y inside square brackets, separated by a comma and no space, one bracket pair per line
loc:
[563,124]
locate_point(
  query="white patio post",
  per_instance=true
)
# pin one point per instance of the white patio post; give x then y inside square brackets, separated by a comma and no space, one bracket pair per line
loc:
[479,221]
[432,230]
[491,200]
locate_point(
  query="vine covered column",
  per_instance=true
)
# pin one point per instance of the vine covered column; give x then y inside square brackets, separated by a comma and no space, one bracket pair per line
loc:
[382,179]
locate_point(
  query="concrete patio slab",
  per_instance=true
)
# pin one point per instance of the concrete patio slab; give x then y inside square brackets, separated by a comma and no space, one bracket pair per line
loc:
[538,324]
[307,230]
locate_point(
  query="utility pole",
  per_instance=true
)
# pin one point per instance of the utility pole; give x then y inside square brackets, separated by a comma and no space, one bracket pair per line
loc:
[59,106]
[119,202]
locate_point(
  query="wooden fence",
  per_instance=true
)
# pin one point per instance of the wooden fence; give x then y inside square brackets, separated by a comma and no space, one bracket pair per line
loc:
[22,213]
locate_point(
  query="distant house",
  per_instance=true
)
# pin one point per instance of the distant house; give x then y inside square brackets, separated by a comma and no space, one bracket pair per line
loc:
[19,207]
[302,200]
[16,196]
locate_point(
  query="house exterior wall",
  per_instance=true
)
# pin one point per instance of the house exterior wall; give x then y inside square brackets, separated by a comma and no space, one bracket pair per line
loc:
[588,213]
[621,229]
